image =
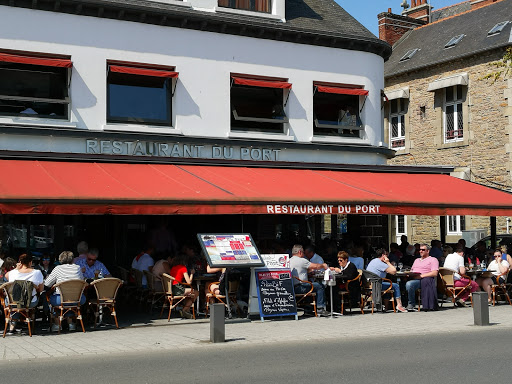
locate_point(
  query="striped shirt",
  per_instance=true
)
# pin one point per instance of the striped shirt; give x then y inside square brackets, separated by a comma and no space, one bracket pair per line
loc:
[62,273]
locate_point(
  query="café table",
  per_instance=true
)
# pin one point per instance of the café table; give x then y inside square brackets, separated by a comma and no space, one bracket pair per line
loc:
[478,272]
[337,277]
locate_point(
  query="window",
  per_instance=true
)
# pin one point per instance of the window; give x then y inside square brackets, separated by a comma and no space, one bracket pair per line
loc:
[454,41]
[248,5]
[140,95]
[33,86]
[497,28]
[257,103]
[398,110]
[409,54]
[455,225]
[453,123]
[336,110]
[400,226]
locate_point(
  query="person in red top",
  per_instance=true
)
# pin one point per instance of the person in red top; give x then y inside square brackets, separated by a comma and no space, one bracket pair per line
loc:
[181,275]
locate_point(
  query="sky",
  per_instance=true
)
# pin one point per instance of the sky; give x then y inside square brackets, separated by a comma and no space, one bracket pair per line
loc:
[366,11]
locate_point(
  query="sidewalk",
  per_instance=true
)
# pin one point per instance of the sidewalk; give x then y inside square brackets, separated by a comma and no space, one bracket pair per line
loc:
[161,335]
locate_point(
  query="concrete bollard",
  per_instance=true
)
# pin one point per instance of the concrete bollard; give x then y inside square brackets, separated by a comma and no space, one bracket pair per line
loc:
[217,323]
[480,308]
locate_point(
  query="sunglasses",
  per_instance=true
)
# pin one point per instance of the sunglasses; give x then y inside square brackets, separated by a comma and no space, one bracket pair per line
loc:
[46,258]
[423,250]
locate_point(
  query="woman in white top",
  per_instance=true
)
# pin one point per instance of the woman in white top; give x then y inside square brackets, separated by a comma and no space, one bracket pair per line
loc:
[63,272]
[24,271]
[497,267]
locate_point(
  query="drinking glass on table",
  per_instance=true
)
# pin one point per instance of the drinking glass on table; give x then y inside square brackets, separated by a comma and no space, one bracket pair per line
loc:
[400,266]
[96,274]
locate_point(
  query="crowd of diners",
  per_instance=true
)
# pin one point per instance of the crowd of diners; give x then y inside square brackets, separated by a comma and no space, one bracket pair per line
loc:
[347,259]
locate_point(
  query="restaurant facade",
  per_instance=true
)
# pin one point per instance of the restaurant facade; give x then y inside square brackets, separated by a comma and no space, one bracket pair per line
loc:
[119,117]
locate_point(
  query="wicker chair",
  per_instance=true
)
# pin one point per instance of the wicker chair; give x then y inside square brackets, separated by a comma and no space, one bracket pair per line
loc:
[304,299]
[106,293]
[211,296]
[447,285]
[500,288]
[10,308]
[156,291]
[173,300]
[345,295]
[374,282]
[70,294]
[141,292]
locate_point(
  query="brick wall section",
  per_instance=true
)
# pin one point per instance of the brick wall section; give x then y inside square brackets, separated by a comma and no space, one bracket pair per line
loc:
[392,27]
[488,113]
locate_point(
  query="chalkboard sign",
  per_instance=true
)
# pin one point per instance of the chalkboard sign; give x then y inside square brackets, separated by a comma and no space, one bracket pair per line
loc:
[275,293]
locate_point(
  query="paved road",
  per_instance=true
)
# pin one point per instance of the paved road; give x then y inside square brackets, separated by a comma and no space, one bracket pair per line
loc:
[464,357]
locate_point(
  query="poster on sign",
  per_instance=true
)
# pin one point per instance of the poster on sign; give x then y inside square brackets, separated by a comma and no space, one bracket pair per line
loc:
[275,293]
[276,260]
[230,250]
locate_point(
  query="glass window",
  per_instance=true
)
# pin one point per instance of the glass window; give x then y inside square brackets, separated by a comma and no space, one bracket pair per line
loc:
[453,118]
[248,5]
[257,109]
[336,115]
[455,224]
[33,90]
[139,99]
[398,110]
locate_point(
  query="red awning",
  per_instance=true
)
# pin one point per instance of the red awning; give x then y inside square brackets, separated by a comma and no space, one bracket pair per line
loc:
[50,187]
[342,91]
[143,71]
[261,83]
[49,62]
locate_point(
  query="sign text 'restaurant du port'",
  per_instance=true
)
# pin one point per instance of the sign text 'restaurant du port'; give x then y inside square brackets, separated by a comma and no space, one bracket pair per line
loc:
[326,209]
[158,149]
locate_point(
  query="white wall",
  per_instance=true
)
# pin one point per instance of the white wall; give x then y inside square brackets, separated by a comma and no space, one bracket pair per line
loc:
[204,61]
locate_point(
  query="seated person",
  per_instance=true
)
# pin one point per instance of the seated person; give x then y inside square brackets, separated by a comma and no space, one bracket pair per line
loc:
[427,268]
[8,265]
[498,266]
[409,257]
[455,262]
[309,253]
[300,267]
[349,272]
[381,266]
[91,264]
[180,274]
[24,271]
[63,272]
[45,265]
[220,288]
[395,254]
[357,257]
[144,262]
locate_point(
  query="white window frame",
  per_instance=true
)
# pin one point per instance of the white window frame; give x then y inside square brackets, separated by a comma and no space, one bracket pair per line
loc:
[457,220]
[399,234]
[400,115]
[456,114]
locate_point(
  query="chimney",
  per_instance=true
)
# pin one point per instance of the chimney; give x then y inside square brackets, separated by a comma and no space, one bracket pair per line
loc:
[481,3]
[420,9]
[392,27]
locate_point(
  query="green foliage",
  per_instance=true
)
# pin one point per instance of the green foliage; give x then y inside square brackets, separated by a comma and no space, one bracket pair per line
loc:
[501,68]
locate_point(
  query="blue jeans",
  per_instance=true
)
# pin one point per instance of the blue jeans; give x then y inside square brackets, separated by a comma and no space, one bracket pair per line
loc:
[411,287]
[396,289]
[317,288]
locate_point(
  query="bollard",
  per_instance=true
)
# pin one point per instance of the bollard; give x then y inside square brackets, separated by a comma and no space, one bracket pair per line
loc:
[480,308]
[217,323]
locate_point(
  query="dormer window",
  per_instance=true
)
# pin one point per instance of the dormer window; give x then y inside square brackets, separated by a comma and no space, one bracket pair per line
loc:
[497,28]
[454,41]
[248,5]
[409,54]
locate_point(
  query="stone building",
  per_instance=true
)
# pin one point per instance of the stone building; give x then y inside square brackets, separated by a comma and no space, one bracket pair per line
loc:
[448,102]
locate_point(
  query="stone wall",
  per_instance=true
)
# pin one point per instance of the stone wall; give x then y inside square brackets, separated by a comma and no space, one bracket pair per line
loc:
[485,156]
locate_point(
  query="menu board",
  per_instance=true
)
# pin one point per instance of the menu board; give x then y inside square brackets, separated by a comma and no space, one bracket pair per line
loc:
[275,293]
[230,250]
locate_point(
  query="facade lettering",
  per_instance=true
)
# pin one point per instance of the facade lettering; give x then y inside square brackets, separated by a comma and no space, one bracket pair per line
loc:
[325,209]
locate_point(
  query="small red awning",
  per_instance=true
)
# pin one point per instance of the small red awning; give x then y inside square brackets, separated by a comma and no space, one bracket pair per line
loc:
[51,187]
[49,62]
[261,83]
[342,91]
[143,71]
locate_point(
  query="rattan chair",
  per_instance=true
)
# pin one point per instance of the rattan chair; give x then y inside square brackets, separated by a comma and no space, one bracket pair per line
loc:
[500,288]
[141,291]
[447,285]
[106,293]
[211,296]
[307,298]
[172,299]
[70,294]
[10,308]
[156,291]
[374,282]
[345,294]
